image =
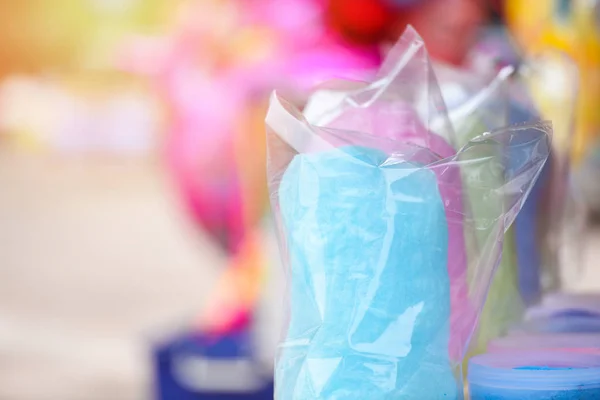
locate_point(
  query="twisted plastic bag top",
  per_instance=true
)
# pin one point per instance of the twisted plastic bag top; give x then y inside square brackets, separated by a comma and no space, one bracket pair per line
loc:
[373,228]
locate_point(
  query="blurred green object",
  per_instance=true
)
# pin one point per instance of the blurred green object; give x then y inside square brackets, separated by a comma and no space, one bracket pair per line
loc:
[504,306]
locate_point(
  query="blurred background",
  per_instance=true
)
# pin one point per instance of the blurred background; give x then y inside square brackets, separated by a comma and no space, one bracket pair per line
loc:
[133,203]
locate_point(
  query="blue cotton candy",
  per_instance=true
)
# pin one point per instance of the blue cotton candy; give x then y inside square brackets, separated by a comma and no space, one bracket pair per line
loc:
[370,291]
[528,241]
[527,237]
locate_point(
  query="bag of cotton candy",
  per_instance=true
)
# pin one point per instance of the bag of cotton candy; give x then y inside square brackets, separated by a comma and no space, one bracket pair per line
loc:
[367,198]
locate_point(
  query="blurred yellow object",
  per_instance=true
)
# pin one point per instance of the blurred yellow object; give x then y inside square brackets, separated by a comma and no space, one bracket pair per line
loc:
[250,157]
[553,82]
[39,35]
[252,45]
[573,27]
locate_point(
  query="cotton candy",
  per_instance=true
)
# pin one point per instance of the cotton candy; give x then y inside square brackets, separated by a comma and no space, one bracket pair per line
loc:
[370,290]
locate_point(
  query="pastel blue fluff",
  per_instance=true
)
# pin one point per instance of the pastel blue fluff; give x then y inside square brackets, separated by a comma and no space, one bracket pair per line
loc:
[526,226]
[370,291]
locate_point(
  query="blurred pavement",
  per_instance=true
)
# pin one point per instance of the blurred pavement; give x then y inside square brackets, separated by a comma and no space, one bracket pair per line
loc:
[94,258]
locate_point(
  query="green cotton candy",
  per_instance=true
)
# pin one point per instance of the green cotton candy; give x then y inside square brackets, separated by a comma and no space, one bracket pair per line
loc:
[370,291]
[504,305]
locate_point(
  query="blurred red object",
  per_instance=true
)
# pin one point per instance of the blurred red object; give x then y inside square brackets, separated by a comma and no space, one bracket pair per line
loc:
[363,21]
[497,6]
[449,27]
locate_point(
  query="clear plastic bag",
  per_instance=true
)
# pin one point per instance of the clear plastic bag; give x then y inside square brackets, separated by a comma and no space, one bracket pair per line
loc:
[530,265]
[479,103]
[387,262]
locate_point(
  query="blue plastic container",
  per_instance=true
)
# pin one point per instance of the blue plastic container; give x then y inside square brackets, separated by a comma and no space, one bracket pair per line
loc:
[534,376]
[192,366]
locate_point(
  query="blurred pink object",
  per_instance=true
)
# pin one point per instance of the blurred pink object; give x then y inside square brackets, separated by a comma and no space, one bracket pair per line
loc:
[199,147]
[306,49]
[199,151]
[207,84]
